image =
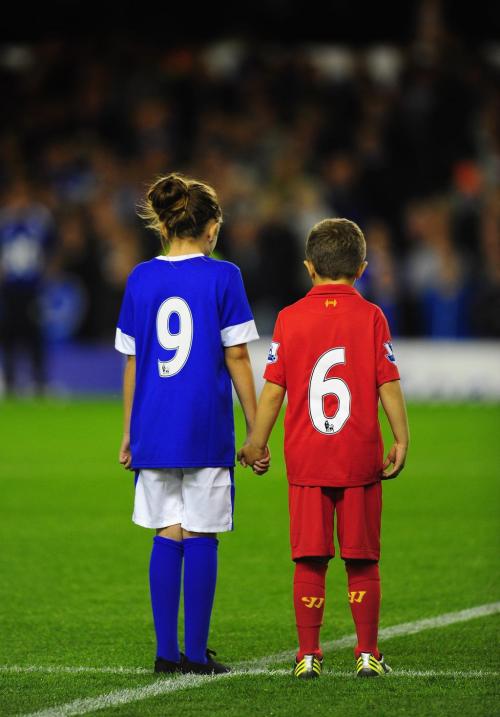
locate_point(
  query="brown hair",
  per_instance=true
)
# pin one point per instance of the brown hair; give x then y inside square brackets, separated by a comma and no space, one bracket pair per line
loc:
[177,206]
[336,248]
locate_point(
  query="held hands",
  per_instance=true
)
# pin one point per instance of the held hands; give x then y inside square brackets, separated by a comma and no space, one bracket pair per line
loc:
[125,456]
[396,457]
[249,455]
[258,458]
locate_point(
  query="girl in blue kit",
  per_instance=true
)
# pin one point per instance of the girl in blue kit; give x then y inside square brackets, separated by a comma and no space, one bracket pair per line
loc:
[184,325]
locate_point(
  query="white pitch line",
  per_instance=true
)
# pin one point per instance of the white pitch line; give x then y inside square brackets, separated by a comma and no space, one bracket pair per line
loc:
[62,669]
[121,697]
[184,682]
[462,674]
[163,686]
[386,633]
[72,670]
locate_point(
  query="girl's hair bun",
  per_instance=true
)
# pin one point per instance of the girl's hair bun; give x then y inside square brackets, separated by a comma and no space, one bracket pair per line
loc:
[177,206]
[169,195]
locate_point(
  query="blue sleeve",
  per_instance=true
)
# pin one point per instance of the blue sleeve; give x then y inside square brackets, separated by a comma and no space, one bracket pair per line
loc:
[236,319]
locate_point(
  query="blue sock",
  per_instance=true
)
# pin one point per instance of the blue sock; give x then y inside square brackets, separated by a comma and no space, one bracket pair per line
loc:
[200,576]
[165,570]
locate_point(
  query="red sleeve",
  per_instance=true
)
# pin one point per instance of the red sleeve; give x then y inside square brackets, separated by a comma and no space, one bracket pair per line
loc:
[387,369]
[276,366]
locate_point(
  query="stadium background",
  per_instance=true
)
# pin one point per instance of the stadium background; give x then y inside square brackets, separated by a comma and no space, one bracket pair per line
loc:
[388,113]
[398,130]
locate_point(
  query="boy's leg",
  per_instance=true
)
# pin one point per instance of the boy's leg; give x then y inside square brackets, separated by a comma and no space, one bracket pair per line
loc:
[364,599]
[358,529]
[311,537]
[309,603]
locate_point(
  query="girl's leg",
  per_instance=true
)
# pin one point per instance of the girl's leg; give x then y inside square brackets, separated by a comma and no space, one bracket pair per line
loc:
[165,571]
[200,576]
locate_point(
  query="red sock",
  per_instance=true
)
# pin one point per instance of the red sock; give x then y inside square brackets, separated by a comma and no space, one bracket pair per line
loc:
[364,598]
[309,603]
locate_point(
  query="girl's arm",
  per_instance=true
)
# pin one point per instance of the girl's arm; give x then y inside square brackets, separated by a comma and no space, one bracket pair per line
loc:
[240,369]
[125,456]
[393,403]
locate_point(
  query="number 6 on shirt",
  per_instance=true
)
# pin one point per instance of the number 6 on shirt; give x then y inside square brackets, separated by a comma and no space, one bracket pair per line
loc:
[320,387]
[181,341]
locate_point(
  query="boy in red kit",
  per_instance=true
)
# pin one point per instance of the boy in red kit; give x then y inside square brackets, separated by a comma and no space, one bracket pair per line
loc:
[331,351]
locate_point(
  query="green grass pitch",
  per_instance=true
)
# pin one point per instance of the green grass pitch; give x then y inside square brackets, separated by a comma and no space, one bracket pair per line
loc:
[74,568]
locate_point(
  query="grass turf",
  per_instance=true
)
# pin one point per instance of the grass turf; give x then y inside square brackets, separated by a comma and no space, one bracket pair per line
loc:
[74,571]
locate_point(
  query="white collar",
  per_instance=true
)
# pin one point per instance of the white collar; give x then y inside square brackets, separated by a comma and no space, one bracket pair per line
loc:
[181,257]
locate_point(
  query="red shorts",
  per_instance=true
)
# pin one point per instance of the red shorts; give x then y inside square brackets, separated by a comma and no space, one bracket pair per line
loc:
[358,510]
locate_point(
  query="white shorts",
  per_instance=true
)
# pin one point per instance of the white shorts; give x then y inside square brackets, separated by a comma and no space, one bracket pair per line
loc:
[200,499]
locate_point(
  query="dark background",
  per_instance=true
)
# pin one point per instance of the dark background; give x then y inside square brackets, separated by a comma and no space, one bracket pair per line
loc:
[388,114]
[352,21]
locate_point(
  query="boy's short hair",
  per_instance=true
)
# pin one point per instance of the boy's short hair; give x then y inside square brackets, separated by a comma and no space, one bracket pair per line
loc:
[336,248]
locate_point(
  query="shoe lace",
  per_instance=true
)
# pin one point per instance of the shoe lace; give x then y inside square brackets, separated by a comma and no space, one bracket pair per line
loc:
[211,652]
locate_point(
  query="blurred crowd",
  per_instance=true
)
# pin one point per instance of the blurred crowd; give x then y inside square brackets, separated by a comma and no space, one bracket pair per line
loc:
[403,140]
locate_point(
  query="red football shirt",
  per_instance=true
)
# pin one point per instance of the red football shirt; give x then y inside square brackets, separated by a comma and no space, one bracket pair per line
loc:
[331,350]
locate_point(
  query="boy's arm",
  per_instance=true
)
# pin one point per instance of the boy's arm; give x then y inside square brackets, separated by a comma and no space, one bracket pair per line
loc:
[393,403]
[268,409]
[125,456]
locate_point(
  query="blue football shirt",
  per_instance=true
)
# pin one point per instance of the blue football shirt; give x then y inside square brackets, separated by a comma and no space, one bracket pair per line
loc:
[177,316]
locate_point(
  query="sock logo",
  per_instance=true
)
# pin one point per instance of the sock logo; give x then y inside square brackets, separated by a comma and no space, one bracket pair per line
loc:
[313,601]
[356,596]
